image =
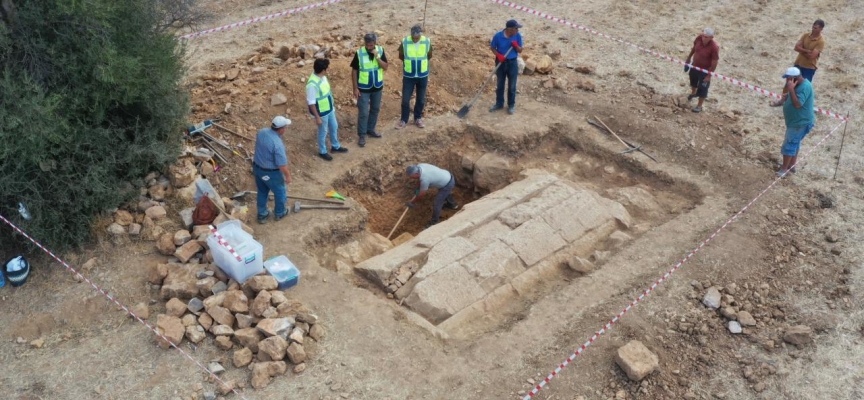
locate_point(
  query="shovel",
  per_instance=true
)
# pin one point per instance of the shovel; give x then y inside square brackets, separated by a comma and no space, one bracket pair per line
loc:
[464,110]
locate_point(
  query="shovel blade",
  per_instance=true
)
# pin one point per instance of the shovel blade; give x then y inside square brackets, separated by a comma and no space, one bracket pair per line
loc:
[463,111]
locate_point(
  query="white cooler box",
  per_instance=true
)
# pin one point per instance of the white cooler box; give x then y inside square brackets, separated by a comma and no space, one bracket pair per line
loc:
[251,252]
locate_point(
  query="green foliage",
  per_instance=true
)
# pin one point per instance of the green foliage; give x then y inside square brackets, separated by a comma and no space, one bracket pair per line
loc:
[90,100]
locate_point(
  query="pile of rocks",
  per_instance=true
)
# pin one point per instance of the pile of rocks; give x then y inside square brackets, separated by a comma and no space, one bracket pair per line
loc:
[748,307]
[400,277]
[255,320]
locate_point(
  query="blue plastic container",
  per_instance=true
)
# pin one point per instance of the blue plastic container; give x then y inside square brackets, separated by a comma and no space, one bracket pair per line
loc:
[285,272]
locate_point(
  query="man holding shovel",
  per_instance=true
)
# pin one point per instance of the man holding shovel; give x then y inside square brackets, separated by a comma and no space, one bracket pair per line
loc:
[428,175]
[506,45]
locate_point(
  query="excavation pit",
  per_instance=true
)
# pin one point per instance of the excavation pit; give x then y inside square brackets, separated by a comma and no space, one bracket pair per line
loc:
[529,223]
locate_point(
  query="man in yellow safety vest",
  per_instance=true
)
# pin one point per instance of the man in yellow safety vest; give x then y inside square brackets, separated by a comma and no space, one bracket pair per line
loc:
[415,52]
[319,97]
[369,64]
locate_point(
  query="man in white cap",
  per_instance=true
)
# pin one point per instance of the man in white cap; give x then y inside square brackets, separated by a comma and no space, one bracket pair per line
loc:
[430,176]
[799,116]
[705,55]
[415,52]
[270,167]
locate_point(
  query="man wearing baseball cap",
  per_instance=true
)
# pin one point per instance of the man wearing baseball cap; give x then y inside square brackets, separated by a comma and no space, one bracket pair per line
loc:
[270,167]
[506,45]
[799,116]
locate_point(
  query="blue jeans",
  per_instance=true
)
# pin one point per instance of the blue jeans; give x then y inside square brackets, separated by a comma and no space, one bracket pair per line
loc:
[368,107]
[807,73]
[510,70]
[266,181]
[445,195]
[794,136]
[408,85]
[328,123]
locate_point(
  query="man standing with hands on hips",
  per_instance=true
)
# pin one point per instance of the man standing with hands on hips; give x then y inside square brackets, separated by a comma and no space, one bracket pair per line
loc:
[507,40]
[270,167]
[369,64]
[799,116]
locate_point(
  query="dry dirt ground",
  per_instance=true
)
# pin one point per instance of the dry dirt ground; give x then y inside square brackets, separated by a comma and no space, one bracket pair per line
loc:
[712,164]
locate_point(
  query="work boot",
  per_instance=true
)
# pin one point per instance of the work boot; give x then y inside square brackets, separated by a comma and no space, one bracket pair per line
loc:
[362,141]
[375,135]
[263,220]
[452,206]
[496,108]
[326,156]
[339,150]
[511,110]
[278,217]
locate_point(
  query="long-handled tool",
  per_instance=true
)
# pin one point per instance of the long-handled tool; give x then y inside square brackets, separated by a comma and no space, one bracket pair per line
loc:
[245,192]
[630,146]
[298,206]
[467,107]
[400,219]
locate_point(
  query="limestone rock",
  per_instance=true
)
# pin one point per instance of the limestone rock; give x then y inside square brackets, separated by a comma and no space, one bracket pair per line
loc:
[244,321]
[135,229]
[156,213]
[580,265]
[798,335]
[195,333]
[296,336]
[123,218]
[636,360]
[223,342]
[276,326]
[214,301]
[444,293]
[158,273]
[189,320]
[242,357]
[221,315]
[175,307]
[296,353]
[165,244]
[232,74]
[277,297]
[299,368]
[116,230]
[316,332]
[261,282]
[183,173]
[260,376]
[187,251]
[734,327]
[260,304]
[222,330]
[272,348]
[278,99]
[492,172]
[156,192]
[712,298]
[746,319]
[248,337]
[236,301]
[205,286]
[276,368]
[543,64]
[171,328]
[181,237]
[180,282]
[205,320]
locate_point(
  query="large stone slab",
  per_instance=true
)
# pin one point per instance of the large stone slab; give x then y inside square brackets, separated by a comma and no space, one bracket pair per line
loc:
[445,293]
[534,241]
[552,196]
[492,172]
[444,253]
[379,268]
[493,265]
[535,181]
[488,233]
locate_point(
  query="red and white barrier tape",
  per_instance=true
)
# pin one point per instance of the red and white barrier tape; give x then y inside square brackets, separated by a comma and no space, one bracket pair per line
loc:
[224,243]
[118,303]
[259,19]
[667,275]
[654,53]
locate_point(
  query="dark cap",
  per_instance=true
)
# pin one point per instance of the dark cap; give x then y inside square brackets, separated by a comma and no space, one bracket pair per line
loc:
[513,24]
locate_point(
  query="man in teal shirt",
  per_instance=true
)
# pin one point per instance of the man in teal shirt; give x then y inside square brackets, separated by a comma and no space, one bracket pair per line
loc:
[799,116]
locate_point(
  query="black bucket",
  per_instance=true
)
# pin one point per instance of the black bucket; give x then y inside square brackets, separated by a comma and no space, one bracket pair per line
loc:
[17,270]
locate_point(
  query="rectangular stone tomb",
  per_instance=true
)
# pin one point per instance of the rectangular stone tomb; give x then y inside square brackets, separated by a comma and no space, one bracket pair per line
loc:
[494,248]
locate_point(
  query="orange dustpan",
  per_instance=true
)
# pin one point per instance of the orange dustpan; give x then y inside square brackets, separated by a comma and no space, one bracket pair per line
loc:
[335,195]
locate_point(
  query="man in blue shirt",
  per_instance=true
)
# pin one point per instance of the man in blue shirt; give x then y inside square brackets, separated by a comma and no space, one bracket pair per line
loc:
[799,116]
[270,167]
[507,40]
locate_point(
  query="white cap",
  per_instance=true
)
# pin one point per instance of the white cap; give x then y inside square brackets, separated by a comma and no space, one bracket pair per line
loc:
[708,32]
[792,71]
[280,122]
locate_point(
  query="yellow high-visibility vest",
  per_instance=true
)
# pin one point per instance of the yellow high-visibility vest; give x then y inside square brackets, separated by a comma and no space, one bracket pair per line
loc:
[324,101]
[416,64]
[371,74]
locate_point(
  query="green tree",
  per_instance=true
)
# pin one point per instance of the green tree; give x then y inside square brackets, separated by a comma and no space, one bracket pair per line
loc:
[90,101]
